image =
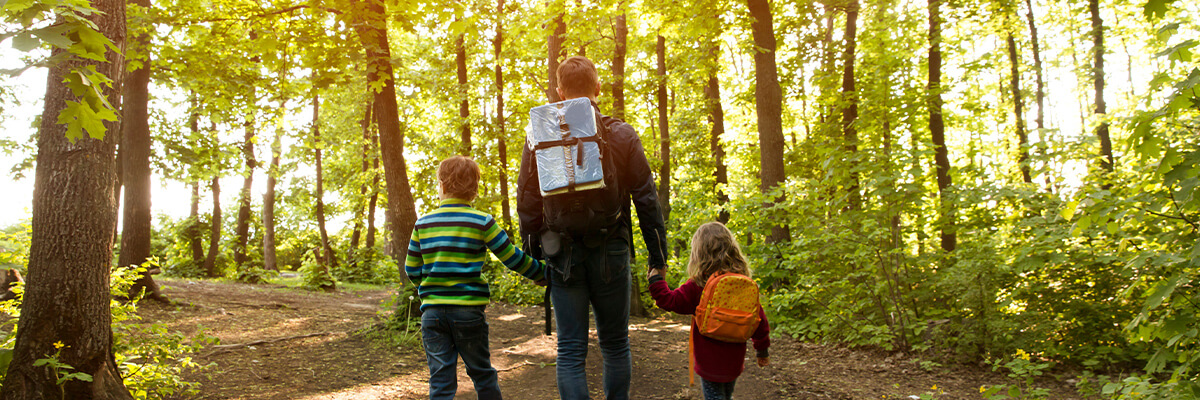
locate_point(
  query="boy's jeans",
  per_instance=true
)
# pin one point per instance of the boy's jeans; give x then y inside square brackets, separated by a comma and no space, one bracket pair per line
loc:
[608,294]
[717,390]
[452,331]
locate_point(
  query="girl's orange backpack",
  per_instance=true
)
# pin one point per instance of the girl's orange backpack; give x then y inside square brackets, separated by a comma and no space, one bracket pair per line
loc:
[728,311]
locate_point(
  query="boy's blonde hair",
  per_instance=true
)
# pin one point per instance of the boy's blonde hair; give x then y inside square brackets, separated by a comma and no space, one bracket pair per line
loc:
[577,76]
[459,178]
[714,249]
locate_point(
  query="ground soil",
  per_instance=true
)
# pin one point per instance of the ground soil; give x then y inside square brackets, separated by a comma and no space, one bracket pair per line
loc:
[348,359]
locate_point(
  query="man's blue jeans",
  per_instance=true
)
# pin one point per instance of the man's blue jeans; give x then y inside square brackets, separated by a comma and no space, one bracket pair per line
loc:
[605,286]
[452,331]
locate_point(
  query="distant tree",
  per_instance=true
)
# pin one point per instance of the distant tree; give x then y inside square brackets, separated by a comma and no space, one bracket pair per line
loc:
[1101,109]
[937,127]
[135,146]
[768,105]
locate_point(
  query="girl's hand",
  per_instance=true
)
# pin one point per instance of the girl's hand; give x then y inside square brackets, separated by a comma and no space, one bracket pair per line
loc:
[764,361]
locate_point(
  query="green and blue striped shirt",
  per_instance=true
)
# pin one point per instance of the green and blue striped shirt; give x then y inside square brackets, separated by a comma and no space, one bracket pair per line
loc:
[446,255]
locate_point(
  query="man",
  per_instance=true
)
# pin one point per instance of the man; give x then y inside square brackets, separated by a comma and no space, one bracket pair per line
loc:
[592,268]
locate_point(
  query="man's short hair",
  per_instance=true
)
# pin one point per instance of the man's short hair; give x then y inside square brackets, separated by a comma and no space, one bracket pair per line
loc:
[577,77]
[459,177]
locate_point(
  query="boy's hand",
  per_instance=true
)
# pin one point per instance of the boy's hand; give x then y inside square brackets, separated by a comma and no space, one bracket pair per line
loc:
[541,282]
[764,361]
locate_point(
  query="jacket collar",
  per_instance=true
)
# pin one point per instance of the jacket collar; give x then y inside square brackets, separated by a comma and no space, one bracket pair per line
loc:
[453,202]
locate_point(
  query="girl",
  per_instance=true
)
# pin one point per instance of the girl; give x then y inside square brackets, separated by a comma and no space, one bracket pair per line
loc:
[718,363]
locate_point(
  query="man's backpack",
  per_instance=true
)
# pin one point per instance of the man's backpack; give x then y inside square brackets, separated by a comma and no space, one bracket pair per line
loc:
[728,309]
[578,181]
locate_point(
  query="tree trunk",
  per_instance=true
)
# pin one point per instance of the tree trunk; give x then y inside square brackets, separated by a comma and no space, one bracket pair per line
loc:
[621,39]
[716,115]
[553,51]
[401,210]
[243,216]
[370,241]
[850,99]
[937,127]
[1018,109]
[1037,68]
[664,129]
[330,259]
[135,170]
[270,262]
[362,190]
[498,44]
[1107,161]
[195,231]
[768,106]
[67,295]
[214,235]
[464,108]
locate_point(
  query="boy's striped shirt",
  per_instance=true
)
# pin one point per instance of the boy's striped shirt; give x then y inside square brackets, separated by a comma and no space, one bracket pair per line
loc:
[447,251]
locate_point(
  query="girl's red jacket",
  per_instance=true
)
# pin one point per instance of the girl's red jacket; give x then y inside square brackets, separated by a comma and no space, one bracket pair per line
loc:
[716,361]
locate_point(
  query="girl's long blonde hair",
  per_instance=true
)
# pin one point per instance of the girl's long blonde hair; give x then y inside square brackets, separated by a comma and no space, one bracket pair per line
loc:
[714,249]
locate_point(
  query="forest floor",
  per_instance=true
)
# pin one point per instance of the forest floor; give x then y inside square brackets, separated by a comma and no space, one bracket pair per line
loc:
[346,358]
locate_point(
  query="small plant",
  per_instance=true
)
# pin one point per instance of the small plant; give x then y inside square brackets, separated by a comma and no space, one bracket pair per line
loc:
[932,394]
[314,274]
[61,369]
[1025,372]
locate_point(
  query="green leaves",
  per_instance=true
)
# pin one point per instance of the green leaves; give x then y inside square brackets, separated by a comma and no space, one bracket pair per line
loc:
[1155,9]
[93,109]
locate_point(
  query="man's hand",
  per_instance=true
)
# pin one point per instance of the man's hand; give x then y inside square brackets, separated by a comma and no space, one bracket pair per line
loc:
[764,361]
[541,282]
[656,271]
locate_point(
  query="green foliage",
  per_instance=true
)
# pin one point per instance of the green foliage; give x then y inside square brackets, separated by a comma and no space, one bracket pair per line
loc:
[315,274]
[1025,371]
[150,358]
[509,287]
[65,25]
[14,247]
[368,265]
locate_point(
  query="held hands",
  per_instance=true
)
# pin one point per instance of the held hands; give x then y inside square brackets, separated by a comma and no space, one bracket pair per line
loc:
[541,282]
[764,361]
[656,271]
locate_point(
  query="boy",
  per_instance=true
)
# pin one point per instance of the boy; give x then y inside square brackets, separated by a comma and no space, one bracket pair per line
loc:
[445,261]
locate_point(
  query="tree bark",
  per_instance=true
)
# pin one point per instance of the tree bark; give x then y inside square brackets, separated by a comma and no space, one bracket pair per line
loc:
[195,231]
[502,146]
[243,216]
[1101,109]
[716,115]
[362,190]
[464,108]
[401,210]
[937,127]
[850,99]
[1037,68]
[664,129]
[214,235]
[270,262]
[135,170]
[330,259]
[67,295]
[621,39]
[1018,109]
[370,240]
[553,51]
[768,106]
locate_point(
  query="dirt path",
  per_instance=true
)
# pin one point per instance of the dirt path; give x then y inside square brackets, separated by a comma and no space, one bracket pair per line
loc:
[343,362]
